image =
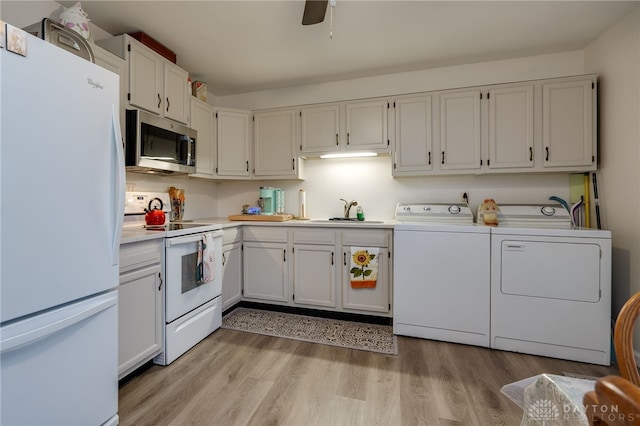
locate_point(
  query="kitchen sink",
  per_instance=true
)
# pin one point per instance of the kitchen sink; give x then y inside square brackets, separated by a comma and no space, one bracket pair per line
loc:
[343,220]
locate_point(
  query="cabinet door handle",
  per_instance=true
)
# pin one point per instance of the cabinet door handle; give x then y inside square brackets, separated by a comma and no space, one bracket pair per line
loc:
[284,256]
[546,148]
[247,165]
[442,157]
[344,258]
[159,100]
[347,138]
[293,163]
[337,139]
[331,258]
[160,278]
[530,153]
[167,104]
[224,259]
[429,157]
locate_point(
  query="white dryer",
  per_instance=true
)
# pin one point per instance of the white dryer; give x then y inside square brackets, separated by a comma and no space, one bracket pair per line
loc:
[441,274]
[550,285]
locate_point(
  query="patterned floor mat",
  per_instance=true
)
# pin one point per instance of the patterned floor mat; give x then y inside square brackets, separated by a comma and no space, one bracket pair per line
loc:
[354,335]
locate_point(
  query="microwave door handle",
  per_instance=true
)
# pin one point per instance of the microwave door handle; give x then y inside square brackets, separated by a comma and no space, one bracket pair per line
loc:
[191,154]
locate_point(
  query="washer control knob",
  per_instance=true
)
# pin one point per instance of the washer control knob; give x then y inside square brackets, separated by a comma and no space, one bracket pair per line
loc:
[548,211]
[454,209]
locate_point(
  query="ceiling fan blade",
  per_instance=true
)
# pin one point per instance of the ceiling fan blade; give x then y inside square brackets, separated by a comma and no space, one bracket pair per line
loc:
[314,11]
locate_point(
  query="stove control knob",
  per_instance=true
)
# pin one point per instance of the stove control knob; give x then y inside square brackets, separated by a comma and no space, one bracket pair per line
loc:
[548,211]
[406,208]
[453,209]
[426,209]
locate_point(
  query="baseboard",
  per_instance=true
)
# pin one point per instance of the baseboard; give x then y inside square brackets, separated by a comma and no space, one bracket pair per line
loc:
[344,316]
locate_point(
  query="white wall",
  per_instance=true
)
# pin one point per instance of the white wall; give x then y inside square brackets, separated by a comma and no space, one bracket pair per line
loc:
[615,55]
[200,194]
[509,70]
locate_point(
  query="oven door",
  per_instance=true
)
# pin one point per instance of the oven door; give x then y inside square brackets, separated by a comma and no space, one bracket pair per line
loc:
[183,292]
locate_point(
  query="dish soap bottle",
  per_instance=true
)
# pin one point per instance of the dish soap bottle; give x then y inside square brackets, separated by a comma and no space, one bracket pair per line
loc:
[360,213]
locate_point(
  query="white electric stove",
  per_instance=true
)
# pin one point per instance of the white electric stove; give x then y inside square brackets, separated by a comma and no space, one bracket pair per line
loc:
[193,309]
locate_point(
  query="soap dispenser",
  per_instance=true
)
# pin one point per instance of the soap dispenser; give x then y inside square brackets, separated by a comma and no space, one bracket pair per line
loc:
[360,213]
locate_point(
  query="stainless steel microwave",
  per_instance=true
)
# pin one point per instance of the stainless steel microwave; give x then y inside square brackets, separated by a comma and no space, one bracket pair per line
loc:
[158,145]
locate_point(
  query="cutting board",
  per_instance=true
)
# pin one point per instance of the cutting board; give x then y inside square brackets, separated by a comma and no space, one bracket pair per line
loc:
[260,217]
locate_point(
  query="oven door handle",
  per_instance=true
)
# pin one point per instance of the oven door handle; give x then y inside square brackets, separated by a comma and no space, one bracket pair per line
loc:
[174,241]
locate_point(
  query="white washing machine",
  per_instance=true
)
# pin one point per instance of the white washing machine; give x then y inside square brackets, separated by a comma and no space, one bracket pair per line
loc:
[441,275]
[550,285]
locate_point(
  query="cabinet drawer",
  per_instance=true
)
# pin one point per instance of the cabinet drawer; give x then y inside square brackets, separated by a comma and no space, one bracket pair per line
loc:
[375,238]
[232,235]
[314,236]
[265,234]
[138,255]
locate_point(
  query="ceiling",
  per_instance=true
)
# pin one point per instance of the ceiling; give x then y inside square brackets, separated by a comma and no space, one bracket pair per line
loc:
[244,46]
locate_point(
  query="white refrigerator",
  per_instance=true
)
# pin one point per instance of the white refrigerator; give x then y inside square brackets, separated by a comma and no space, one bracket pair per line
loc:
[62,202]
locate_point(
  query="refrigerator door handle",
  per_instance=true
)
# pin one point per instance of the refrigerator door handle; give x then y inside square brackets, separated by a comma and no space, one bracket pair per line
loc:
[119,186]
[36,328]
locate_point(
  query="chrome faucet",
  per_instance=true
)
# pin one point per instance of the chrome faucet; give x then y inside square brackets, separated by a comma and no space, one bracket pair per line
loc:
[347,207]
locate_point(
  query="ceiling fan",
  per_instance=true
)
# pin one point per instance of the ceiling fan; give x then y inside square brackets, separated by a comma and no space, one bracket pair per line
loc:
[314,11]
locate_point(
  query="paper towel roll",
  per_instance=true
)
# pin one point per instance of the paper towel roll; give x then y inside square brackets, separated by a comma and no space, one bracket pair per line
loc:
[302,209]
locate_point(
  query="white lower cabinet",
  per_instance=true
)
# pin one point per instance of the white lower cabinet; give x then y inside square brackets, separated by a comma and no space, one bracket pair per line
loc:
[314,267]
[231,267]
[140,314]
[266,264]
[310,267]
[377,297]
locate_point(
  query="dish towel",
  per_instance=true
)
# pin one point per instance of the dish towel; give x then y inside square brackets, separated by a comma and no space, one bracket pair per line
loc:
[205,270]
[364,267]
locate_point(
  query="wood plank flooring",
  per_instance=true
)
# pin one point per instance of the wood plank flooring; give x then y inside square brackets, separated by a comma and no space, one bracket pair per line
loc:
[237,378]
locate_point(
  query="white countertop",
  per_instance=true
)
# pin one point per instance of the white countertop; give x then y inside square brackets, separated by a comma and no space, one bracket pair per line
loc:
[132,235]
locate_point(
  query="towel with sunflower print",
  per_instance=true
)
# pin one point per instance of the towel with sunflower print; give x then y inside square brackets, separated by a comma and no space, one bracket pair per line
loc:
[364,267]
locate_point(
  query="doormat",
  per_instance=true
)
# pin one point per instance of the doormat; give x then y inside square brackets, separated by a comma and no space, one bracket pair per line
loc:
[347,334]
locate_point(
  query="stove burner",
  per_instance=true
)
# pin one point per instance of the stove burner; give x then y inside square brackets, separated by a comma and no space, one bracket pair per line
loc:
[172,227]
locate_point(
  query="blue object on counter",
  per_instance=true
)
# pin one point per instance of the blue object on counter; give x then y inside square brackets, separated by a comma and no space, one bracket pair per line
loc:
[253,210]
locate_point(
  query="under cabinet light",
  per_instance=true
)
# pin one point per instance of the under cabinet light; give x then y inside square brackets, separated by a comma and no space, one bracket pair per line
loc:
[349,155]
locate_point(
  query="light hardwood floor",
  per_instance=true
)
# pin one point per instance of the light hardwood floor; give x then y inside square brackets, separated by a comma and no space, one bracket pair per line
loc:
[236,378]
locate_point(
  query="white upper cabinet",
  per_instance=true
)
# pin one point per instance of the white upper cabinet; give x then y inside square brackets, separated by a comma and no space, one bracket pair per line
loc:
[510,127]
[568,111]
[344,126]
[275,144]
[176,97]
[460,130]
[366,125]
[413,135]
[155,84]
[146,70]
[203,121]
[320,129]
[234,139]
[534,126]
